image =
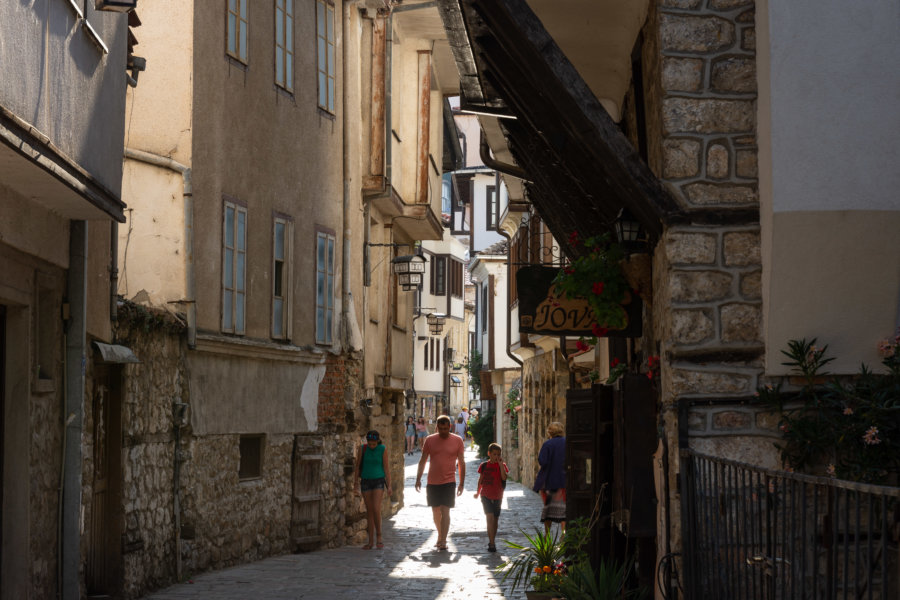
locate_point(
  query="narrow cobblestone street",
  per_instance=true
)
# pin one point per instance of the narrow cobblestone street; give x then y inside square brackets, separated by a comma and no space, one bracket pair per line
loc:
[408,567]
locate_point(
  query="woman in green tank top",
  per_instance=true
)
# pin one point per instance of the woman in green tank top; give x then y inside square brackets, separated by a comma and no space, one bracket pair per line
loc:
[374,477]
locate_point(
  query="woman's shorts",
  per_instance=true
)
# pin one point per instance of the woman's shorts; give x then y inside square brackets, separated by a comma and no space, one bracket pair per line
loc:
[491,507]
[367,485]
[442,494]
[422,434]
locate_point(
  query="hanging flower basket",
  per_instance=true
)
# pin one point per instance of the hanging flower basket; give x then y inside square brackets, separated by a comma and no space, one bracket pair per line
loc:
[597,277]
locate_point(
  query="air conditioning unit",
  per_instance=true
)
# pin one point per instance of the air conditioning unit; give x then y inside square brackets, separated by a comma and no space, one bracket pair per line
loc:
[115,5]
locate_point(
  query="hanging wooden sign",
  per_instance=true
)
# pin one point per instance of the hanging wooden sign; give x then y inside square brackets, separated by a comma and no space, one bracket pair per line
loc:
[543,310]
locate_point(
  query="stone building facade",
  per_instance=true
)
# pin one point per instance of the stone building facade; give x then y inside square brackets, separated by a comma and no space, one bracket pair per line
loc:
[700,84]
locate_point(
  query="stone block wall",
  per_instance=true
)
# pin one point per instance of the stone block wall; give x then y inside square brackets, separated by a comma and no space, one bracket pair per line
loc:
[151,388]
[699,60]
[544,385]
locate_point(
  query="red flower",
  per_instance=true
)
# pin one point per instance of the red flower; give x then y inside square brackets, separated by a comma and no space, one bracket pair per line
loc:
[649,374]
[573,238]
[582,347]
[597,288]
[599,331]
[615,363]
[569,270]
[652,361]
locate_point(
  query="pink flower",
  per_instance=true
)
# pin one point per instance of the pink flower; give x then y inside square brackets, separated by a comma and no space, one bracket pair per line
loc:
[848,411]
[870,438]
[886,348]
[784,427]
[597,288]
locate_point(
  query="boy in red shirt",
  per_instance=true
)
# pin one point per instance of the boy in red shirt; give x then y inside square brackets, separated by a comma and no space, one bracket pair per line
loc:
[491,482]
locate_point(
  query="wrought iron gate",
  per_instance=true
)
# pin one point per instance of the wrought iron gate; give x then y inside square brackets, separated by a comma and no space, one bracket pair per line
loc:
[756,534]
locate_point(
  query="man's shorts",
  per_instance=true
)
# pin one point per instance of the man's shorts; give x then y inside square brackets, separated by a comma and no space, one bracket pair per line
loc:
[491,507]
[367,485]
[442,494]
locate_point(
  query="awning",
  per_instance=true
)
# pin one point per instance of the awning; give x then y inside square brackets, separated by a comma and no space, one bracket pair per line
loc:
[582,169]
[114,353]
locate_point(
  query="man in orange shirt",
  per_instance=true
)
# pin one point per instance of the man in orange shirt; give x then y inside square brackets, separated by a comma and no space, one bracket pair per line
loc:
[446,451]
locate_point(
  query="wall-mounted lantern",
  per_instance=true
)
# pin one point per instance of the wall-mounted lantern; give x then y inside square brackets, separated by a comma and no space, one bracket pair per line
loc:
[436,323]
[629,232]
[410,270]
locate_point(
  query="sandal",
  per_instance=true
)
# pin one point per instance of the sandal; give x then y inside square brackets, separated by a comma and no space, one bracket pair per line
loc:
[367,547]
[379,545]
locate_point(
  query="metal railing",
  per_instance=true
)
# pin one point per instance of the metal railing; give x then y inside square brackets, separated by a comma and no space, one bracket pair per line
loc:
[757,534]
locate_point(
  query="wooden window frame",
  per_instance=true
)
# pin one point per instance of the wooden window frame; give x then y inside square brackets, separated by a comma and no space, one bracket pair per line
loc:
[282,280]
[325,61]
[234,319]
[491,203]
[233,18]
[284,45]
[439,274]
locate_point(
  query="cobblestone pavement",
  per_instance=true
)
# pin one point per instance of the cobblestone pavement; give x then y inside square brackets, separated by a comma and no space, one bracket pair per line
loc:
[408,568]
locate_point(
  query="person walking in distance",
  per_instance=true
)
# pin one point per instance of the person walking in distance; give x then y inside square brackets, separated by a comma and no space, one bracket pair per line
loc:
[374,478]
[491,483]
[446,454]
[410,435]
[421,432]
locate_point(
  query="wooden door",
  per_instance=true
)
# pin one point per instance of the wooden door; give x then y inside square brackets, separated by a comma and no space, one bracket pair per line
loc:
[589,460]
[104,559]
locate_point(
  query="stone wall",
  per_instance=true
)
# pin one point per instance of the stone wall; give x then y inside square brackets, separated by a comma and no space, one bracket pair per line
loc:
[150,391]
[544,401]
[700,82]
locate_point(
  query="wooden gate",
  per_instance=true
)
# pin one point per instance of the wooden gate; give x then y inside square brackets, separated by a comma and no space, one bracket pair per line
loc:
[104,558]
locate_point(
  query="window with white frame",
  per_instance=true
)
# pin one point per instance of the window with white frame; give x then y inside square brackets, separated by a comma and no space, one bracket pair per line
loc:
[324,287]
[325,53]
[234,268]
[284,44]
[281,277]
[237,29]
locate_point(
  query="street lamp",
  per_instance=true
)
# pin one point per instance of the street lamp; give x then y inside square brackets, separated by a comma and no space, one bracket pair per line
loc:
[410,270]
[435,323]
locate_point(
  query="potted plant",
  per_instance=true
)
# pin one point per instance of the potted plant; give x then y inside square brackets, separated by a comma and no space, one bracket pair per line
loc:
[538,563]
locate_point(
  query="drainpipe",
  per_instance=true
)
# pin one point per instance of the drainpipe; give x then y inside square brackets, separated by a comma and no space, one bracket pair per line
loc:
[190,299]
[345,165]
[492,163]
[75,357]
[113,271]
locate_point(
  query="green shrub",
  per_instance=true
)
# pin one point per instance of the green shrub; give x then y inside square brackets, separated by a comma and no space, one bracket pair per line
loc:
[482,432]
